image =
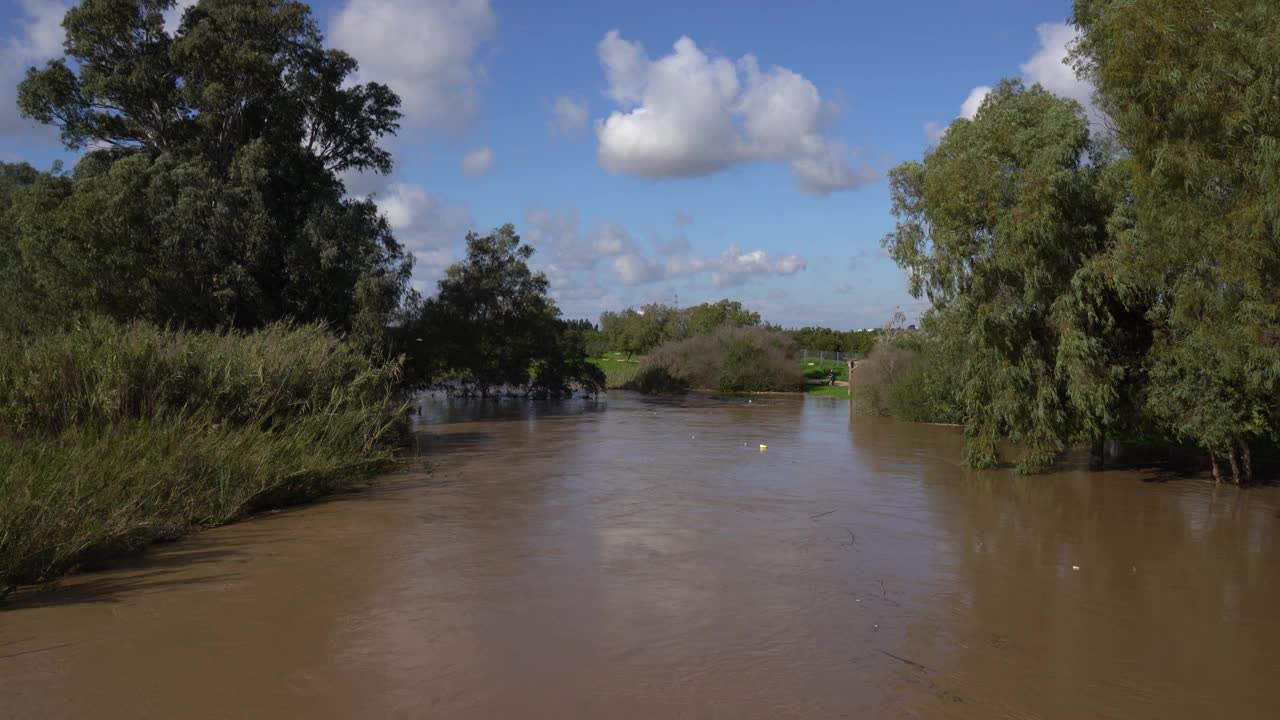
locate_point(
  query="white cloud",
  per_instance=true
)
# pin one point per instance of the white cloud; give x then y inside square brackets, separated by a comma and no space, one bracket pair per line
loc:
[430,229]
[689,114]
[478,161]
[634,269]
[1049,67]
[568,115]
[558,240]
[36,38]
[829,170]
[733,266]
[420,220]
[424,50]
[612,240]
[574,259]
[969,108]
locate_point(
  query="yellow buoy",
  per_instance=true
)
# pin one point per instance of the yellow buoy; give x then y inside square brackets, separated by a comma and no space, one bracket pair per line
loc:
[763,446]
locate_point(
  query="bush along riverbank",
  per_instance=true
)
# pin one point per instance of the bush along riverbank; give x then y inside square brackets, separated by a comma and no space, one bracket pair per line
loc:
[730,359]
[115,436]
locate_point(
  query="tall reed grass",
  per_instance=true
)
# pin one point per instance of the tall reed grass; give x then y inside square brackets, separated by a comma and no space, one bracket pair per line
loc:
[114,436]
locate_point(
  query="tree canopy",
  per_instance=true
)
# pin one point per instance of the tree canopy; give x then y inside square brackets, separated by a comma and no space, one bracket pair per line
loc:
[1191,92]
[209,194]
[995,227]
[1117,284]
[492,324]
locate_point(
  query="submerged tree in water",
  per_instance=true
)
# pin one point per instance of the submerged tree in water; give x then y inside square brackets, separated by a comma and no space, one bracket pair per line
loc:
[1191,91]
[210,193]
[493,324]
[997,227]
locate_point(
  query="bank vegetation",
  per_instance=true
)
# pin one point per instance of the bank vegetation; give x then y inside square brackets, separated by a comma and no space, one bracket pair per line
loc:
[1103,272]
[198,320]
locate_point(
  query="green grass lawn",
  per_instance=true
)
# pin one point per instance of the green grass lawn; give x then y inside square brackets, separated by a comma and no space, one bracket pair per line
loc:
[617,371]
[836,391]
[815,369]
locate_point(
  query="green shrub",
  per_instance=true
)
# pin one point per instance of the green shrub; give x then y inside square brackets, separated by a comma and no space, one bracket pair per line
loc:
[873,379]
[907,382]
[731,359]
[908,397]
[657,380]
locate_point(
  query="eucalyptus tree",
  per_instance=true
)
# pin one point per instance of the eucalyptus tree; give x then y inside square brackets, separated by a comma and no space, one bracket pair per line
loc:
[1001,227]
[1192,91]
[209,190]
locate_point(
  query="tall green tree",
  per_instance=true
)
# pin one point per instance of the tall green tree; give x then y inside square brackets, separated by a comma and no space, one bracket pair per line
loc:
[995,226]
[492,324]
[706,318]
[635,331]
[20,310]
[1191,88]
[209,194]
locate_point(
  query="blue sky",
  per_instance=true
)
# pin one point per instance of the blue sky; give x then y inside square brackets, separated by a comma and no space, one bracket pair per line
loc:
[705,149]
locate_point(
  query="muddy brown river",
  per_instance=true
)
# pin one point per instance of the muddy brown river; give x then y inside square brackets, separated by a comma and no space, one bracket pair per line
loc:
[640,559]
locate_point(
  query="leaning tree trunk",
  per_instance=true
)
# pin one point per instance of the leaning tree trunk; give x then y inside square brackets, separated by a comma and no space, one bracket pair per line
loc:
[1233,455]
[1097,453]
[1246,460]
[1213,459]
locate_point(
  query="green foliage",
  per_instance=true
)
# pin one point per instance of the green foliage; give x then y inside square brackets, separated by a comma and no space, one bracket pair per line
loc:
[1191,92]
[706,318]
[633,331]
[835,391]
[873,379]
[20,307]
[492,324]
[998,227]
[211,195]
[114,436]
[639,331]
[732,359]
[822,369]
[916,396]
[564,365]
[1123,286]
[851,342]
[654,379]
[100,373]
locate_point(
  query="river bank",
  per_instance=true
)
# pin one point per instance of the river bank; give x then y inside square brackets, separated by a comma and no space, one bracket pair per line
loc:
[113,437]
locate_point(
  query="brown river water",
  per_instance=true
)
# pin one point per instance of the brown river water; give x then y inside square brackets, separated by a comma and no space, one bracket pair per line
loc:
[642,559]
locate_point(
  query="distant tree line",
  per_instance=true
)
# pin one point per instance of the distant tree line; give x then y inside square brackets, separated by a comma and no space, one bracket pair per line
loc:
[637,331]
[850,342]
[1114,279]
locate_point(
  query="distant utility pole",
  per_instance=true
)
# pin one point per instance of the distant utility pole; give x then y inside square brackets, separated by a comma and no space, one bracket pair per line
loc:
[677,299]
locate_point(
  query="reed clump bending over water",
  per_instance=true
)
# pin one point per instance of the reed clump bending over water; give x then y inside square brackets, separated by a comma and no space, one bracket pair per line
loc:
[114,436]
